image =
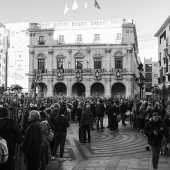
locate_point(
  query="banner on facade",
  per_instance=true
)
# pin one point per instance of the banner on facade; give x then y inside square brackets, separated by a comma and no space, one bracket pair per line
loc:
[118,74]
[78,75]
[59,74]
[97,74]
[38,75]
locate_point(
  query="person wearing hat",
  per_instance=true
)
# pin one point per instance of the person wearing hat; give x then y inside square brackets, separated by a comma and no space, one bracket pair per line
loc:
[155,130]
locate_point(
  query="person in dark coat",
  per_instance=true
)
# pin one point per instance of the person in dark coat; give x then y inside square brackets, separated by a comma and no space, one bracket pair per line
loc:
[61,124]
[99,115]
[32,141]
[9,130]
[123,109]
[155,130]
[112,115]
[86,121]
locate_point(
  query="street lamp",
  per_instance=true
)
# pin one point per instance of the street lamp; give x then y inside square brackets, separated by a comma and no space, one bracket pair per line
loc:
[140,80]
[152,90]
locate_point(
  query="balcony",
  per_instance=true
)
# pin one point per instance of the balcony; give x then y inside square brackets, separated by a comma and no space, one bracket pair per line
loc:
[41,42]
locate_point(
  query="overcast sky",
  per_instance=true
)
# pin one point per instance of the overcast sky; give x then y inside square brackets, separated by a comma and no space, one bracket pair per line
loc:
[148,15]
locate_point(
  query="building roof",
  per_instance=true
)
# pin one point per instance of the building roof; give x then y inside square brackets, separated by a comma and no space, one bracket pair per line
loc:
[162,27]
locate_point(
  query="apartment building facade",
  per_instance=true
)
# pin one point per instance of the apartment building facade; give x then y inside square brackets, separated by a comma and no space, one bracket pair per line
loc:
[18,54]
[4,45]
[84,58]
[163,35]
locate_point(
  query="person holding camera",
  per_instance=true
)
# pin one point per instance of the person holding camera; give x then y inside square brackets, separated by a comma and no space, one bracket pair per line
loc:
[155,130]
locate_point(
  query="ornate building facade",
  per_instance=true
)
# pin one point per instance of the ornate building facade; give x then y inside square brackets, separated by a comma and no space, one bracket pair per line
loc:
[84,58]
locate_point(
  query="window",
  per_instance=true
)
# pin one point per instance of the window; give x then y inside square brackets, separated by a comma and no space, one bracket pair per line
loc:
[41,40]
[118,36]
[41,65]
[167,41]
[96,37]
[60,63]
[61,38]
[118,63]
[79,63]
[97,63]
[79,37]
[148,77]
[148,67]
[155,75]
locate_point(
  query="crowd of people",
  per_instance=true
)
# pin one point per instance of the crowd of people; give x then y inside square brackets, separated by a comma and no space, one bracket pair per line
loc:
[30,123]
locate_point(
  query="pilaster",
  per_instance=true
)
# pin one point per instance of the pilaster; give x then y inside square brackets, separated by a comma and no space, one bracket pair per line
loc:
[50,65]
[50,88]
[31,60]
[108,59]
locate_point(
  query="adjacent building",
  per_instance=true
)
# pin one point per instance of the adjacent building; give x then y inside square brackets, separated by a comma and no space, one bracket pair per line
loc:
[163,35]
[151,71]
[84,58]
[4,45]
[18,54]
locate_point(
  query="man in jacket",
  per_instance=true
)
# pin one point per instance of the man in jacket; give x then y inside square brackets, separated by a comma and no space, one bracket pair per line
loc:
[32,141]
[123,109]
[9,130]
[99,115]
[154,130]
[86,121]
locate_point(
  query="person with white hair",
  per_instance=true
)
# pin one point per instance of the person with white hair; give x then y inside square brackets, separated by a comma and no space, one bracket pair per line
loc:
[32,141]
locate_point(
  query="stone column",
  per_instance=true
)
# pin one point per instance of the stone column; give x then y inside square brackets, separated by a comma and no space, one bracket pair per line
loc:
[107,87]
[88,50]
[108,59]
[69,87]
[70,59]
[50,88]
[31,60]
[129,88]
[50,60]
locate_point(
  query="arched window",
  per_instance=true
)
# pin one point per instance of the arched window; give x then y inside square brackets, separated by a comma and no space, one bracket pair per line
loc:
[41,65]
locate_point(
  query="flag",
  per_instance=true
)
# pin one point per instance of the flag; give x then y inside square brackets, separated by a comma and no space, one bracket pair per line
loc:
[66,9]
[96,4]
[75,6]
[85,5]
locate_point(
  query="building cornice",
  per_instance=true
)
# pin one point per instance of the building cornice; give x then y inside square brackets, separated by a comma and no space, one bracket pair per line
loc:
[162,27]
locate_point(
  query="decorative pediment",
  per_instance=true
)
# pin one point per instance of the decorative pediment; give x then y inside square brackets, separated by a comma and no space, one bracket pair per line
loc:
[118,54]
[60,55]
[97,55]
[79,55]
[41,55]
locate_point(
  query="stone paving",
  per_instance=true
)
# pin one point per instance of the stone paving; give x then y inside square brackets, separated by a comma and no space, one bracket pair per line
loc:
[117,150]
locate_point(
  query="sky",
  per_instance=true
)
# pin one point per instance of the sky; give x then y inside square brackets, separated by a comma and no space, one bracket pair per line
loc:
[148,15]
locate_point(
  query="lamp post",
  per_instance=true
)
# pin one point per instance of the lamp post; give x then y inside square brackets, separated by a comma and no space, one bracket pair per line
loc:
[152,90]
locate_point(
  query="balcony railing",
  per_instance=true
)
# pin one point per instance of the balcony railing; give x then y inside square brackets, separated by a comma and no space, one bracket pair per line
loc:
[41,42]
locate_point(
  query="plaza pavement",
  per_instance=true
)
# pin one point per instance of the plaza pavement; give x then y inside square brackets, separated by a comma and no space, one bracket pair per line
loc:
[117,150]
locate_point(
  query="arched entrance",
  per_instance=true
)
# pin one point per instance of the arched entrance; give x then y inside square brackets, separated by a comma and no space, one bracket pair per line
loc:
[60,89]
[97,89]
[78,89]
[118,89]
[41,90]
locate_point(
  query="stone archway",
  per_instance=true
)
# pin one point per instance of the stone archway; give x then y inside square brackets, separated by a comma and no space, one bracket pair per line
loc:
[60,89]
[78,89]
[97,89]
[118,89]
[41,90]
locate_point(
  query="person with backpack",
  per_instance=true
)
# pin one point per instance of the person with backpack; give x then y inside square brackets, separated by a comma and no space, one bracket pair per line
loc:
[10,132]
[61,124]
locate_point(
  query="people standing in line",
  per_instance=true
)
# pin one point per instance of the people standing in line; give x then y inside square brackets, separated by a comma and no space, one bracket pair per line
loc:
[61,124]
[155,130]
[112,115]
[9,130]
[99,115]
[86,121]
[32,141]
[123,109]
